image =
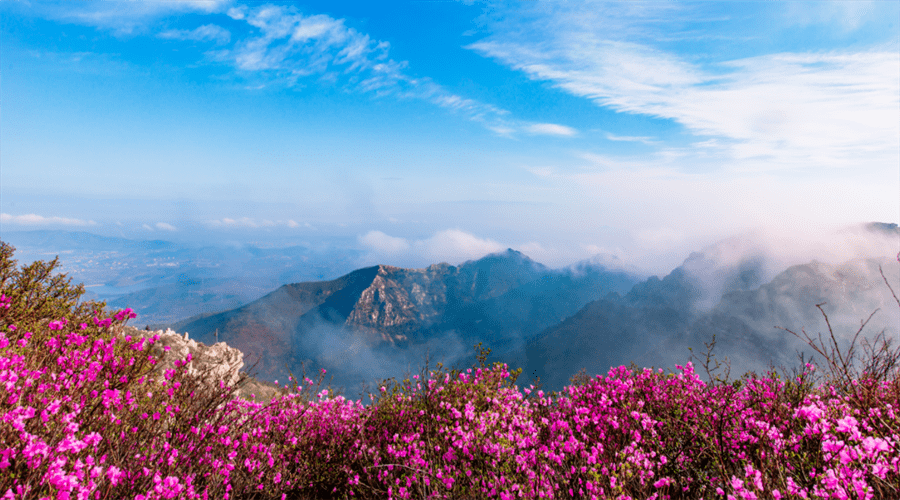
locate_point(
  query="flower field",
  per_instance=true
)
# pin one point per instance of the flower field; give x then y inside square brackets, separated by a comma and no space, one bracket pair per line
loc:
[84,415]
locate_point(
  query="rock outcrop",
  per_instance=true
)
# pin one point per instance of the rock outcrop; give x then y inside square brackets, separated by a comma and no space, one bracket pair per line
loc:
[215,362]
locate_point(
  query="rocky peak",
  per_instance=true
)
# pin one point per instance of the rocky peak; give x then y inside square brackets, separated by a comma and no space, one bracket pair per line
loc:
[384,304]
[401,300]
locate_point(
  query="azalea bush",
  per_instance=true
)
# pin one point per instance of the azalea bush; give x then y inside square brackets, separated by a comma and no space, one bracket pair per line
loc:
[83,414]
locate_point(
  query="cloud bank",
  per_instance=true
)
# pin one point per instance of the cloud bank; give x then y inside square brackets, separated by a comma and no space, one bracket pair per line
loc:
[39,220]
[452,245]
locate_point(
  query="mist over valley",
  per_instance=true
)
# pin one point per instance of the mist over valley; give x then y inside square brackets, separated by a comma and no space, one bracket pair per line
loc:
[291,308]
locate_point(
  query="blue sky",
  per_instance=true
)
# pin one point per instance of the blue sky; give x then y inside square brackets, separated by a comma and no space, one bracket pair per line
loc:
[423,131]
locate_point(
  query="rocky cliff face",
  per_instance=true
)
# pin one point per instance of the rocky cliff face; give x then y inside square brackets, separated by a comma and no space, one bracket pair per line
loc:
[214,362]
[393,304]
[400,302]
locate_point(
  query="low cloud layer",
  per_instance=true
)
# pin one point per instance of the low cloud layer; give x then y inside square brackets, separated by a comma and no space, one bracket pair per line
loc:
[256,223]
[452,245]
[40,220]
[357,366]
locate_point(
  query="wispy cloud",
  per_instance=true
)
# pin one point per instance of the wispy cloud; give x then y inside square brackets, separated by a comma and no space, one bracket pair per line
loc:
[294,224]
[451,245]
[288,47]
[205,33]
[39,220]
[550,129]
[455,246]
[816,109]
[253,223]
[383,244]
[628,138]
[125,17]
[244,222]
[159,226]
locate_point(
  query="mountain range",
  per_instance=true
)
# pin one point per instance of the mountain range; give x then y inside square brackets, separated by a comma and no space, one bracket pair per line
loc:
[657,322]
[375,322]
[166,281]
[363,324]
[382,321]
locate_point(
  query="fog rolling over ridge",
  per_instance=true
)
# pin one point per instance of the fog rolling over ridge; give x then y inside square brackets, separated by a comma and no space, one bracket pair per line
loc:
[381,321]
[656,322]
[654,325]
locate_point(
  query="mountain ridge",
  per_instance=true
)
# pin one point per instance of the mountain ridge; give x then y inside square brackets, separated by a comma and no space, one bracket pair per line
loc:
[651,329]
[385,307]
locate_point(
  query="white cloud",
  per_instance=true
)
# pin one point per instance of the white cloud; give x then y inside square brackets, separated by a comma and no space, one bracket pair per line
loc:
[551,129]
[290,46]
[126,18]
[669,211]
[207,32]
[241,222]
[775,111]
[451,245]
[163,226]
[38,220]
[382,244]
[251,223]
[628,138]
[455,246]
[606,162]
[238,13]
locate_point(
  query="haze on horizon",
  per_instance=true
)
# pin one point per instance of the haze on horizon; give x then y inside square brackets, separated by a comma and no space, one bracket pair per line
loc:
[423,132]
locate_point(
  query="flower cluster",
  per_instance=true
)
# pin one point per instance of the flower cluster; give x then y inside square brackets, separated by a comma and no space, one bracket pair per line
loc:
[84,414]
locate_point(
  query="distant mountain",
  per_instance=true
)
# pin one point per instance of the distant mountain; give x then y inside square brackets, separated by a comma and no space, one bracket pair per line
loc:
[745,321]
[360,323]
[615,330]
[165,281]
[79,240]
[656,322]
[168,303]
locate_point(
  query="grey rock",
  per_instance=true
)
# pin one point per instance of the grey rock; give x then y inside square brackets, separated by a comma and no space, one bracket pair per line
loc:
[214,362]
